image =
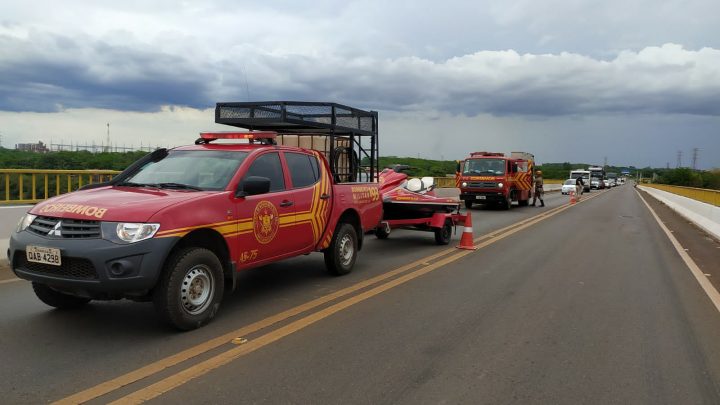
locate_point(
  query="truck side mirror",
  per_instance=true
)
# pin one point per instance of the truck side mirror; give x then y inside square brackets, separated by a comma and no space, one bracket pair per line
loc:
[253,185]
[457,169]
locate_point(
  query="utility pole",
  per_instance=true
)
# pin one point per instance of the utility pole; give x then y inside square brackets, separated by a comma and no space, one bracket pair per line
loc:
[695,158]
[107,141]
[679,159]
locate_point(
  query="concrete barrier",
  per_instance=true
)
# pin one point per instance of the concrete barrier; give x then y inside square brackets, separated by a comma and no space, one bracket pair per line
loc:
[705,216]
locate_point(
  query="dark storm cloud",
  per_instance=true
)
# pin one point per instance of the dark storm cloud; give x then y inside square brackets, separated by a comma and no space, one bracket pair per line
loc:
[47,72]
[56,72]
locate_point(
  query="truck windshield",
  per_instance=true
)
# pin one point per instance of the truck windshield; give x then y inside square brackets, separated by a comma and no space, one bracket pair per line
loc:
[191,170]
[484,166]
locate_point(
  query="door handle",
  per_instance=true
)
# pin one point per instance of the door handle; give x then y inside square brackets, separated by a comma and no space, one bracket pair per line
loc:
[286,203]
[325,196]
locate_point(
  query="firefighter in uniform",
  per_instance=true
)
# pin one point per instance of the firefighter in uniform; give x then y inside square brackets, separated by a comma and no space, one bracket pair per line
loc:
[579,187]
[538,189]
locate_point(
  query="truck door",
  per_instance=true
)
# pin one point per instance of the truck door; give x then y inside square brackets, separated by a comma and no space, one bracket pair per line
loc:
[305,179]
[263,233]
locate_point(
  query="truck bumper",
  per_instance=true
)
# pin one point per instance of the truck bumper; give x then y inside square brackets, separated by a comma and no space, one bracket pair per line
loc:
[94,268]
[483,197]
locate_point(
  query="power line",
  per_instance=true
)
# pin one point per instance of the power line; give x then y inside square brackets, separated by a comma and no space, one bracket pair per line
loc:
[695,158]
[679,159]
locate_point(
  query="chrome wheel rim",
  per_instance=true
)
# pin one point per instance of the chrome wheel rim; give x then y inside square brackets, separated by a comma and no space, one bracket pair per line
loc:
[197,289]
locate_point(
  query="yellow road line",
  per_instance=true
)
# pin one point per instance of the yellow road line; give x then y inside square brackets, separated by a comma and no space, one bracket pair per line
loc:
[162,364]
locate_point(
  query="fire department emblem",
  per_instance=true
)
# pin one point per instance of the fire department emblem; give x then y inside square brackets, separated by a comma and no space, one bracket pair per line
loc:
[265,222]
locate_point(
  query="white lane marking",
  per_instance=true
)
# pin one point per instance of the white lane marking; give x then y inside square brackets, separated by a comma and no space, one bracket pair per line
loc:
[15,206]
[706,285]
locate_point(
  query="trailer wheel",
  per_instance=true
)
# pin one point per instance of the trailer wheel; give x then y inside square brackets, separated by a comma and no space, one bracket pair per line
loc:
[468,204]
[189,292]
[444,234]
[56,298]
[381,233]
[340,256]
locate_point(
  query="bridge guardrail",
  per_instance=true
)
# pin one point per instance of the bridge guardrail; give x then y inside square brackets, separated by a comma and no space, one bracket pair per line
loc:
[25,186]
[698,194]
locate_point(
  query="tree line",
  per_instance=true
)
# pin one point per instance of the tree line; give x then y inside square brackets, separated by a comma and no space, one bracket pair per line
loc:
[67,160]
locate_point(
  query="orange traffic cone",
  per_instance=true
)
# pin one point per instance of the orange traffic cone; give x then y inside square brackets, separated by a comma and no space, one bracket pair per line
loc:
[466,241]
[572,197]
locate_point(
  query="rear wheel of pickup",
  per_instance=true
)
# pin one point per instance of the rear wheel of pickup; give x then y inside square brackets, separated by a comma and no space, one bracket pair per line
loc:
[190,290]
[57,299]
[444,234]
[340,256]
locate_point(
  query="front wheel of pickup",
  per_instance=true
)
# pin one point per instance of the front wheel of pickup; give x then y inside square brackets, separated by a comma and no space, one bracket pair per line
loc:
[340,256]
[189,292]
[57,299]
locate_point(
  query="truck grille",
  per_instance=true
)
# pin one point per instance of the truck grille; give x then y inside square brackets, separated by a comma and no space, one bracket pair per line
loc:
[72,267]
[482,184]
[65,228]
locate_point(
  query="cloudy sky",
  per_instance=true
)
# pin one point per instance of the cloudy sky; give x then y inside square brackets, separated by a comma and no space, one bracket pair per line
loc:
[633,81]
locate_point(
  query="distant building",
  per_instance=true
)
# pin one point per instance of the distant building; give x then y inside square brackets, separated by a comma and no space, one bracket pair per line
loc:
[39,147]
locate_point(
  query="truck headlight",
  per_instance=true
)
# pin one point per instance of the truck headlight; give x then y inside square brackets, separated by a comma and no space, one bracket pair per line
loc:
[24,222]
[500,185]
[464,184]
[135,232]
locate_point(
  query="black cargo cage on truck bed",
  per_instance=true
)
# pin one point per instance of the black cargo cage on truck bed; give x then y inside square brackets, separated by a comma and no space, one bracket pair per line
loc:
[352,150]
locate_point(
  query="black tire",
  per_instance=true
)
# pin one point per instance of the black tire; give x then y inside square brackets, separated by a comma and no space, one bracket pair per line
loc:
[340,256]
[468,204]
[444,234]
[507,204]
[524,203]
[381,233]
[57,299]
[190,289]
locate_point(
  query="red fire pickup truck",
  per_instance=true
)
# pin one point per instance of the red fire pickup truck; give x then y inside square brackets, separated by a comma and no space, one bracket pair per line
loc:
[177,226]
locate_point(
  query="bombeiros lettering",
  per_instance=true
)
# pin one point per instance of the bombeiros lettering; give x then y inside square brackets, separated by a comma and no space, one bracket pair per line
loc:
[87,210]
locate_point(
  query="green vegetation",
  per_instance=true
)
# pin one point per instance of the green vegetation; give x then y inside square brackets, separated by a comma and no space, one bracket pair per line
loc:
[687,177]
[421,167]
[15,159]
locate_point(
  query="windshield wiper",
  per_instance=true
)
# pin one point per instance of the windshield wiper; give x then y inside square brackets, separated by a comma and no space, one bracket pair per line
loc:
[131,184]
[179,186]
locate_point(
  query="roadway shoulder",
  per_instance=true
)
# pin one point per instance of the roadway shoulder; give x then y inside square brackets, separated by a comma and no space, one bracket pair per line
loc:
[702,247]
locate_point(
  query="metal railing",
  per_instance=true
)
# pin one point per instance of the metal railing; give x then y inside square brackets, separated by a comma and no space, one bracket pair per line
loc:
[699,194]
[24,186]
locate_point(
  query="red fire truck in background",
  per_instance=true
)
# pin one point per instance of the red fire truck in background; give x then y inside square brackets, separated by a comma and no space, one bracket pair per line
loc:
[493,178]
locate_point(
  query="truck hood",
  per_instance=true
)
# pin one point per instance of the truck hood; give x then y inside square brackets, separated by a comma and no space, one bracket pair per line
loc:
[121,204]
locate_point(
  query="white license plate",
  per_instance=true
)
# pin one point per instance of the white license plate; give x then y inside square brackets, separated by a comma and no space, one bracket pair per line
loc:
[44,255]
[479,197]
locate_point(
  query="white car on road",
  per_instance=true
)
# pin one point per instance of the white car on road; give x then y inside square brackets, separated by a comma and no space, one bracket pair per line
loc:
[568,186]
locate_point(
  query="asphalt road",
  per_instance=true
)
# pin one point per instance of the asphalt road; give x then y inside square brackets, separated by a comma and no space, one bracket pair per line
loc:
[573,304]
